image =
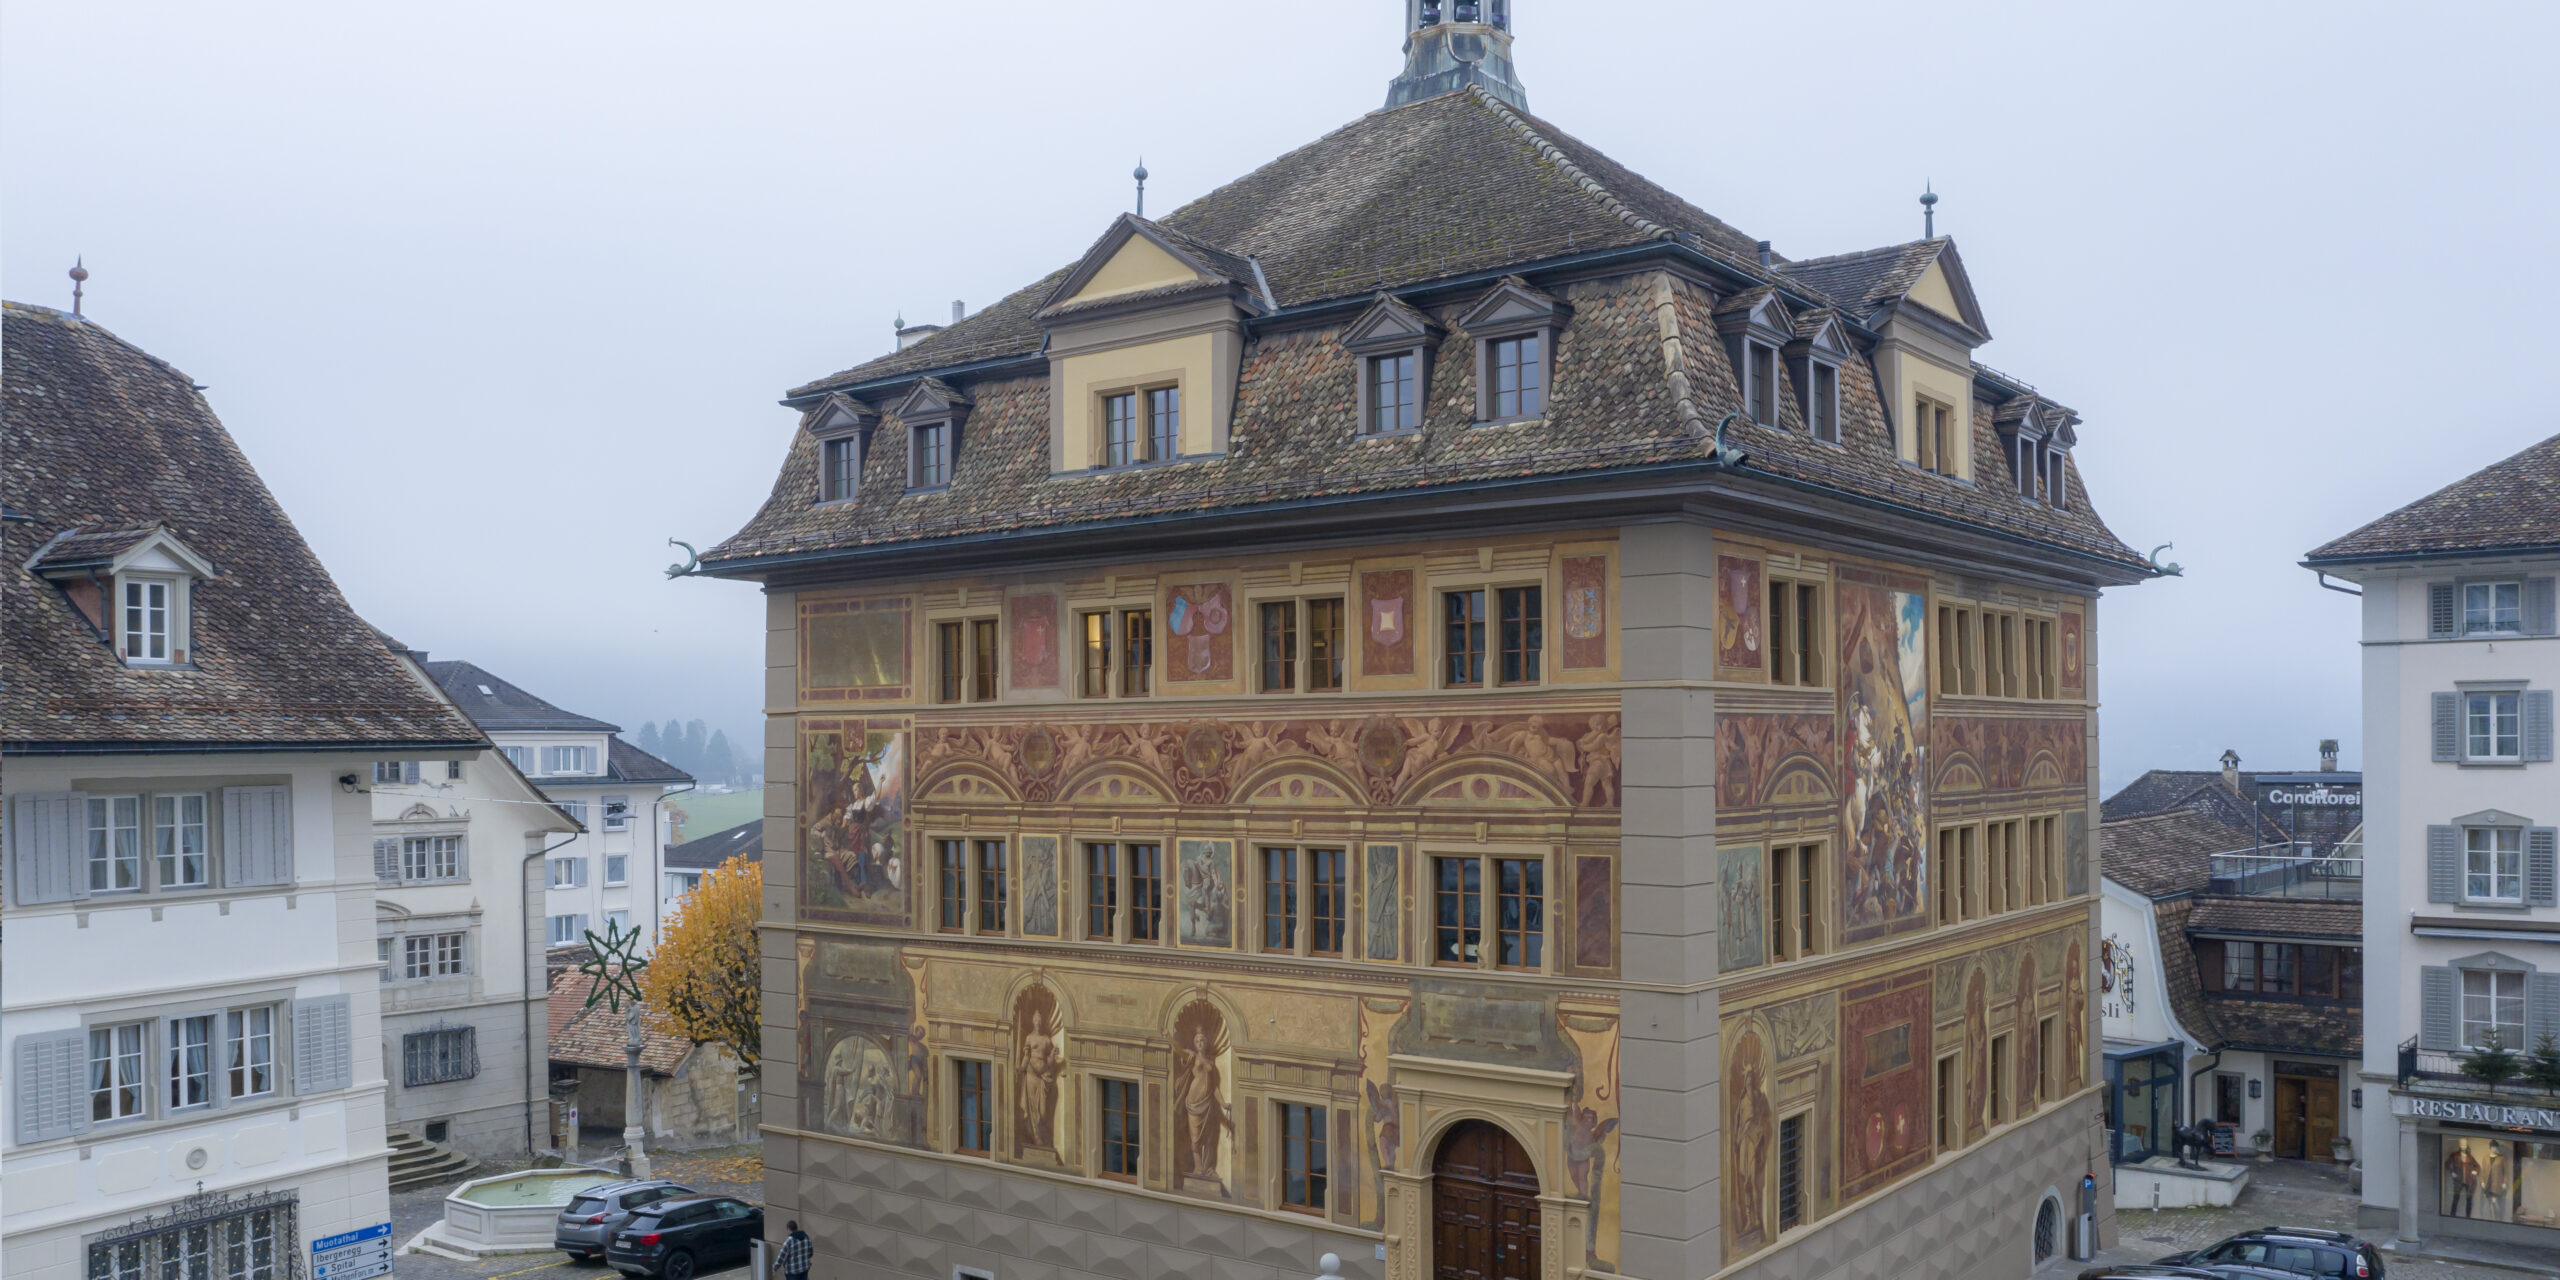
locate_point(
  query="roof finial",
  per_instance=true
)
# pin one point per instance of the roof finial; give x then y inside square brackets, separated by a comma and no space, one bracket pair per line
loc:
[1929,211]
[79,276]
[1140,173]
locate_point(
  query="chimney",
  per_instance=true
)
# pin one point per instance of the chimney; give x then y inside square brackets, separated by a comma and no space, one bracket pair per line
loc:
[1764,254]
[2231,770]
[958,312]
[2328,755]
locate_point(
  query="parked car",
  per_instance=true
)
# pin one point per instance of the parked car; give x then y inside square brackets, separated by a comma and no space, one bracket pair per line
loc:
[591,1217]
[676,1239]
[2145,1271]
[2301,1251]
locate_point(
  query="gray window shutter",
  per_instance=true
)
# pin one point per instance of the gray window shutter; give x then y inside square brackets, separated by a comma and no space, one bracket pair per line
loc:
[2448,727]
[2444,864]
[2442,618]
[408,771]
[43,832]
[2541,1007]
[386,860]
[2436,1029]
[257,833]
[323,1058]
[2537,724]
[2542,867]
[51,1080]
[2538,608]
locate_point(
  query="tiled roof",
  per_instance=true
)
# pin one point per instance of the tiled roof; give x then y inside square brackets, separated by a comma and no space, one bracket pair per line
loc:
[744,840]
[2287,1026]
[2278,917]
[2168,854]
[497,705]
[98,436]
[1864,281]
[2179,977]
[595,1037]
[90,548]
[627,763]
[2506,506]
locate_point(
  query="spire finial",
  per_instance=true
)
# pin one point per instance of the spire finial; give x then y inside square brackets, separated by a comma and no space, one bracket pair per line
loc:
[79,276]
[1140,173]
[1929,211]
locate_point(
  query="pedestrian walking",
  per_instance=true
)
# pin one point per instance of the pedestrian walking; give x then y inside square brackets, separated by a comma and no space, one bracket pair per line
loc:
[795,1253]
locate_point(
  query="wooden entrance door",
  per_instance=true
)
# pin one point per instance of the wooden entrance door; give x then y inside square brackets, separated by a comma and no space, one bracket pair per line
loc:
[2292,1115]
[2320,1128]
[1484,1207]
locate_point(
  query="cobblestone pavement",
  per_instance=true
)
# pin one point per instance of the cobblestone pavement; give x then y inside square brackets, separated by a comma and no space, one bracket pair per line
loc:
[2286,1192]
[729,1171]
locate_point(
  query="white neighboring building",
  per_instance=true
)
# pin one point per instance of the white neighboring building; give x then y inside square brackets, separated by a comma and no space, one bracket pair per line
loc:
[188,996]
[609,874]
[689,862]
[458,851]
[2462,890]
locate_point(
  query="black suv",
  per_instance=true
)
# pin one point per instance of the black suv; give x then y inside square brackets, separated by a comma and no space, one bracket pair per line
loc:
[588,1221]
[2303,1251]
[674,1239]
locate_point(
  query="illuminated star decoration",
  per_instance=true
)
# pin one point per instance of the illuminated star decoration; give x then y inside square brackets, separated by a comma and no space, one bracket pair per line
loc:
[615,968]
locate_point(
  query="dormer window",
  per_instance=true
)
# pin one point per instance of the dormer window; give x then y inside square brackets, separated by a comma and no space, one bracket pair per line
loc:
[1515,328]
[1394,344]
[1934,424]
[933,414]
[1756,326]
[841,465]
[842,425]
[133,585]
[1141,426]
[1760,382]
[932,444]
[146,620]
[1814,360]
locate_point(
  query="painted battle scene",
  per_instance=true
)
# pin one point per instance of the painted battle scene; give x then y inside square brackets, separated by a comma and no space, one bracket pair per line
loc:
[1884,691]
[856,862]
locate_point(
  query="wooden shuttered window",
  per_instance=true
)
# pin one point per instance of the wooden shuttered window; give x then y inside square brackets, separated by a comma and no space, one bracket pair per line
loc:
[257,836]
[49,1073]
[2541,1007]
[2445,715]
[2444,616]
[2439,1024]
[323,1056]
[386,860]
[2537,725]
[2542,867]
[43,833]
[2444,864]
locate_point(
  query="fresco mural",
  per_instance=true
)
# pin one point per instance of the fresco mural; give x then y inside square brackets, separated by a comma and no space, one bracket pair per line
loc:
[1586,614]
[2075,851]
[1386,634]
[1207,893]
[1739,622]
[1203,1111]
[1384,901]
[860,1086]
[1884,688]
[853,839]
[1381,1124]
[1742,909]
[1199,634]
[1885,1062]
[1977,1052]
[1593,898]
[1978,753]
[1774,760]
[2075,1017]
[1039,858]
[2070,644]
[1591,1127]
[1032,626]
[1751,1139]
[1039,1063]
[1576,754]
[854,650]
[2028,1087]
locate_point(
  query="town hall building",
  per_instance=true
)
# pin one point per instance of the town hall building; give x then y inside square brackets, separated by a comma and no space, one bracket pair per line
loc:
[1437,704]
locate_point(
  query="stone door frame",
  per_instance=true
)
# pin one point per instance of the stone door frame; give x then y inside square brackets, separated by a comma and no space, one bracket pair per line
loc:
[1434,1096]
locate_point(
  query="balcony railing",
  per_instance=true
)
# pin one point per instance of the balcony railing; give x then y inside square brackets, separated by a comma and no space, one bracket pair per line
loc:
[2444,1066]
[2290,871]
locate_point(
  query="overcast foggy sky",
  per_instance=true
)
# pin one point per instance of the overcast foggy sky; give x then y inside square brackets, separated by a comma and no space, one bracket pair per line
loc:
[498,297]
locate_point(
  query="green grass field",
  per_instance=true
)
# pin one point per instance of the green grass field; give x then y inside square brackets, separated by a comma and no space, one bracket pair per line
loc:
[710,815]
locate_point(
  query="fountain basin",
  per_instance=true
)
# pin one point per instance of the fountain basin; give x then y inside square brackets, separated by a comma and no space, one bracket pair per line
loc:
[505,1213]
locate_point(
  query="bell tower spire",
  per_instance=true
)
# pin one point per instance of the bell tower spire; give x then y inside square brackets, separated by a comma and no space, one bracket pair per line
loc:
[1451,44]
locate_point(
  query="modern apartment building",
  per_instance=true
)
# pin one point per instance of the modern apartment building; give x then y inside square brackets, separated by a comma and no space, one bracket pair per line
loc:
[1443,705]
[608,874]
[189,720]
[2462,849]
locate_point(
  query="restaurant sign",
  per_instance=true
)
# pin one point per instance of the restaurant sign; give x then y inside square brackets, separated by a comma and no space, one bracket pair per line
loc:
[2487,1113]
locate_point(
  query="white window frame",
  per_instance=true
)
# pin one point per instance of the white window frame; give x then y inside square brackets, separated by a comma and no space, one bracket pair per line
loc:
[170,840]
[105,852]
[180,1069]
[569,873]
[617,920]
[424,858]
[521,757]
[568,930]
[2464,1022]
[568,761]
[2489,611]
[249,1051]
[2482,716]
[147,631]
[2472,851]
[131,1065]
[617,869]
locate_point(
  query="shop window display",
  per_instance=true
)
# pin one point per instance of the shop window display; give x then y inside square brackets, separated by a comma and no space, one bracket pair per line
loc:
[2500,1180]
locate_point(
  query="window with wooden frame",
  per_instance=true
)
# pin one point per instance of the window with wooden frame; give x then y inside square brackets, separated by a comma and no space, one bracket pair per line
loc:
[1305,897]
[1945,1126]
[1953,862]
[1819,394]
[2042,659]
[988,862]
[2002,886]
[1124,892]
[1518,368]
[1760,382]
[2048,1059]
[1959,651]
[965,660]
[951,885]
[1393,344]
[1793,1156]
[1137,653]
[1301,646]
[840,468]
[1796,884]
[1395,393]
[1524,634]
[2000,667]
[973,1105]
[1518,887]
[1141,425]
[1464,639]
[1304,1167]
[1514,328]
[2003,1104]
[1120,445]
[1795,632]
[1279,646]
[930,465]
[1116,653]
[2044,853]
[1121,1131]
[1934,425]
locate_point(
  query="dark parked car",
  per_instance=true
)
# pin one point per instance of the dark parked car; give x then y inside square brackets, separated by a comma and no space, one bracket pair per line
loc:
[593,1215]
[2301,1251]
[2145,1271]
[676,1239]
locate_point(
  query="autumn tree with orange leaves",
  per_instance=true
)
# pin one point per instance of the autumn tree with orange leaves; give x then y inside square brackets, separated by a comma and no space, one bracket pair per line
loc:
[704,977]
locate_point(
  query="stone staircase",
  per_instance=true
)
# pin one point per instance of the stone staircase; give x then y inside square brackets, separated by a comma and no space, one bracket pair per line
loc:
[416,1162]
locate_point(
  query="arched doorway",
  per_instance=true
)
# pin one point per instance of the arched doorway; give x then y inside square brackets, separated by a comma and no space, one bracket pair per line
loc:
[1484,1207]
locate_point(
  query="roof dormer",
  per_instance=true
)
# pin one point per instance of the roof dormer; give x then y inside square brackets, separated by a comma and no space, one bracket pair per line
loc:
[1756,326]
[932,414]
[1514,327]
[1394,345]
[1146,341]
[134,585]
[1822,347]
[1927,331]
[2036,436]
[842,427]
